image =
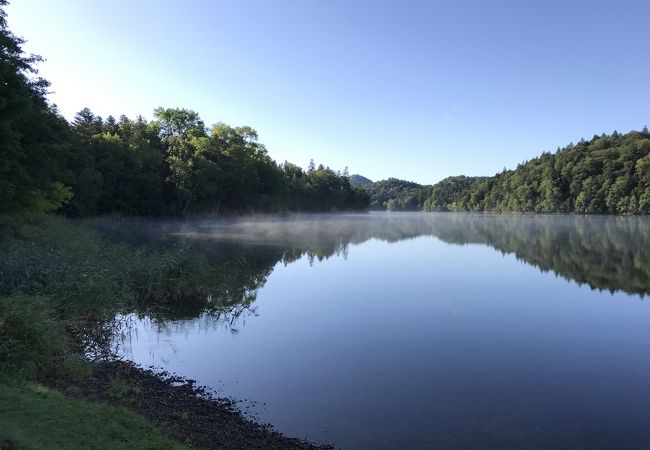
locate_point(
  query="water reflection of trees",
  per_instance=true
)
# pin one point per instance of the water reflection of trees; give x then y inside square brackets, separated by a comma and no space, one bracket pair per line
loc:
[606,253]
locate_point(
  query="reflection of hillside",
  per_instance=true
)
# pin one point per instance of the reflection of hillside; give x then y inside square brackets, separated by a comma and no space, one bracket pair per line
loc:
[606,252]
[611,253]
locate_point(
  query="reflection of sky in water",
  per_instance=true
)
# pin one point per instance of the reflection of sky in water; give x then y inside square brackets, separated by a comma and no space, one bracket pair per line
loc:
[420,343]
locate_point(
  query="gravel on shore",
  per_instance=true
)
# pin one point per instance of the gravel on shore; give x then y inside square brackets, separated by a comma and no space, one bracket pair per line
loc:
[180,409]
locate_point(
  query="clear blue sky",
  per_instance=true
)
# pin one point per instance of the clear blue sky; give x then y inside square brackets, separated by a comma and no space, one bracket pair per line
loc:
[413,89]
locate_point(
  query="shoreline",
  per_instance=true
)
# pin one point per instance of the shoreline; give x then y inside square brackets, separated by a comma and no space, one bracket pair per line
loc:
[181,410]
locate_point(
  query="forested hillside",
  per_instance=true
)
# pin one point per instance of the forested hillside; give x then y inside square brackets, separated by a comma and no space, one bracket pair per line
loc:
[400,195]
[172,165]
[607,174]
[396,195]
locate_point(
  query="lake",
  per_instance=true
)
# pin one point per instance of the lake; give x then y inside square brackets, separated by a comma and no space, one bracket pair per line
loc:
[415,330]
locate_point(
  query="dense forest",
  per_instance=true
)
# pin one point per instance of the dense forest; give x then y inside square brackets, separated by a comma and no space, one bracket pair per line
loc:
[172,165]
[609,174]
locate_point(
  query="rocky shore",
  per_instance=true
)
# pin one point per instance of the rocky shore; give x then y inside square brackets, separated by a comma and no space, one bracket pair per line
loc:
[183,411]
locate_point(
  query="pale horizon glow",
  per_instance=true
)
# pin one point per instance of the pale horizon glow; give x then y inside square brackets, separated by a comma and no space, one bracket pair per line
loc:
[417,90]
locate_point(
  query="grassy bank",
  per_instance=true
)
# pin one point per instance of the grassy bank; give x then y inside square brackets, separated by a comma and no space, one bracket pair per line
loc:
[35,417]
[61,285]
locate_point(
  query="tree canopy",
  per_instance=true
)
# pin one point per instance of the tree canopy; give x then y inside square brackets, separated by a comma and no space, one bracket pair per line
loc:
[175,165]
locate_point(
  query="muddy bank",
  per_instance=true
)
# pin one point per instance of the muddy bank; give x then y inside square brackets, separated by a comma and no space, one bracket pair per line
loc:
[182,410]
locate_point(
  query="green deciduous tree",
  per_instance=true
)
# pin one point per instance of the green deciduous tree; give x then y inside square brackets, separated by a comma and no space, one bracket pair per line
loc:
[32,135]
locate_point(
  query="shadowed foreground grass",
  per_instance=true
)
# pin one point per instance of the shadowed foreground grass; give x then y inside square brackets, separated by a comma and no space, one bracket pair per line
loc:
[35,417]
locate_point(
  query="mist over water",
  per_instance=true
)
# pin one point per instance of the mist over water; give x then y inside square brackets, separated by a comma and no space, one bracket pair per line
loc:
[407,330]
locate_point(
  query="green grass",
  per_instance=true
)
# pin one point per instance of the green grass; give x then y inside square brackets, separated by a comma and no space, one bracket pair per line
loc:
[34,417]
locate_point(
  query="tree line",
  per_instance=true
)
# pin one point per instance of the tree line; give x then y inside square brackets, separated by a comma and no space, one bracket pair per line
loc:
[175,165]
[171,165]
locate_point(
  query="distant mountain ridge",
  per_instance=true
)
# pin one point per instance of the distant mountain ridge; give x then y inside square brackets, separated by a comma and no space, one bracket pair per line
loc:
[359,180]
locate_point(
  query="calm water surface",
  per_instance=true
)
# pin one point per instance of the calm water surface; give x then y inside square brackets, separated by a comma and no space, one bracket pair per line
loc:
[423,330]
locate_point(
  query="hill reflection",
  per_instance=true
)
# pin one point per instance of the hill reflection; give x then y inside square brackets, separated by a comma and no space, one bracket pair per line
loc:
[603,252]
